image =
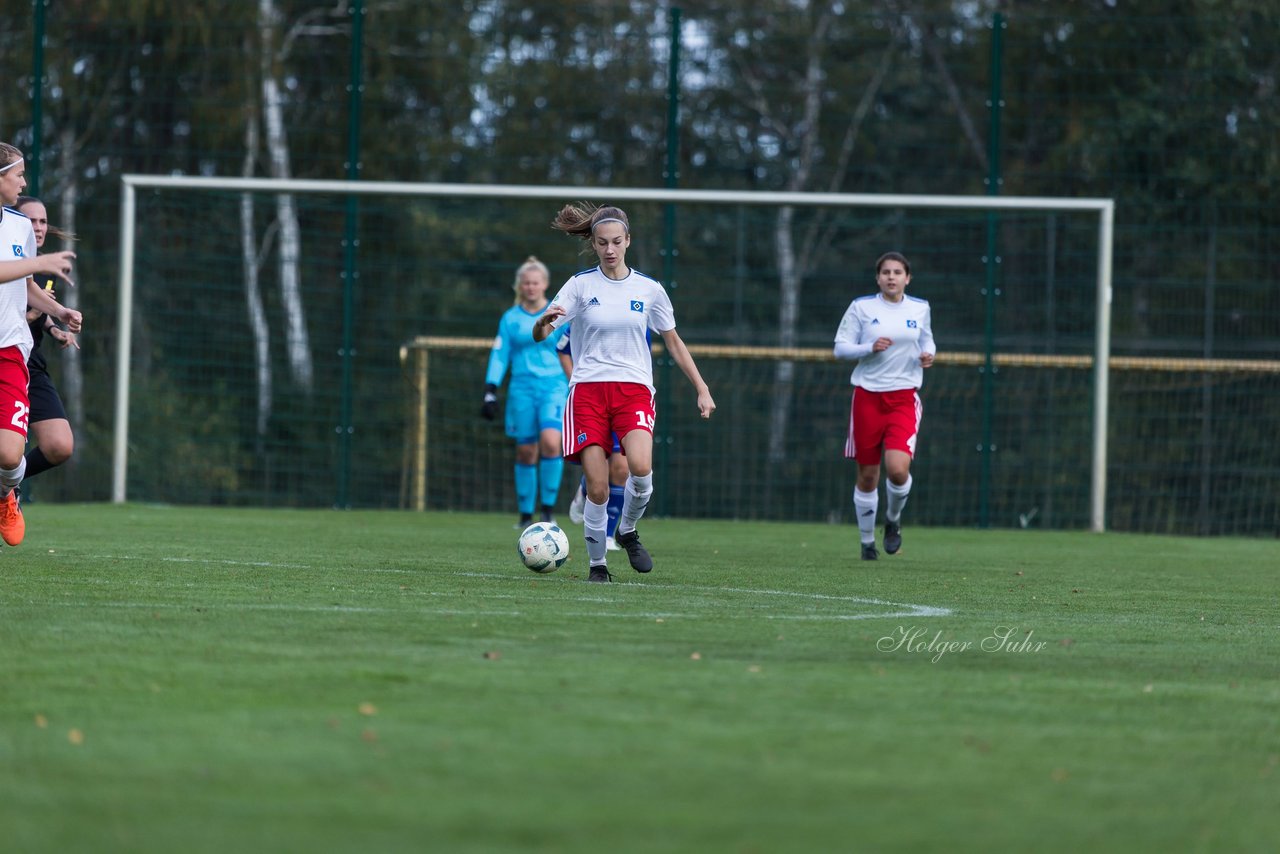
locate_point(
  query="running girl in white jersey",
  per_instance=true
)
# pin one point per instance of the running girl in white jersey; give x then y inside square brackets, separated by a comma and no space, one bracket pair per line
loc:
[611,307]
[891,336]
[18,261]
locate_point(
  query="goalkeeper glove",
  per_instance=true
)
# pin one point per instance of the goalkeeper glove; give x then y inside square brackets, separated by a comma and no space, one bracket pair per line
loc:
[489,409]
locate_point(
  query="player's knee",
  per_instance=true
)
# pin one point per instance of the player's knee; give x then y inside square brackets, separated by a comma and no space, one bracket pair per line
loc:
[58,452]
[641,469]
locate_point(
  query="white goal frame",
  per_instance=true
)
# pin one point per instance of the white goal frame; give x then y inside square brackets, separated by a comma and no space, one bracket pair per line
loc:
[1104,208]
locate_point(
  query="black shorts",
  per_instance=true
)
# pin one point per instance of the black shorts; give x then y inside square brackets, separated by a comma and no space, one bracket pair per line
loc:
[45,403]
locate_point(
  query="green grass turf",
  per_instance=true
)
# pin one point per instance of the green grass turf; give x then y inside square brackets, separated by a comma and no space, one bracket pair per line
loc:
[181,679]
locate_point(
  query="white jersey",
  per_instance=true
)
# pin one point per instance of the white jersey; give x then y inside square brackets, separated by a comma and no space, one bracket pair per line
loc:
[17,240]
[906,323]
[610,320]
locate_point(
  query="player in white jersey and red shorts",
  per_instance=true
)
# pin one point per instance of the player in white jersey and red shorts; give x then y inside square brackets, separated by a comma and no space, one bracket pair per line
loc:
[891,336]
[18,262]
[612,307]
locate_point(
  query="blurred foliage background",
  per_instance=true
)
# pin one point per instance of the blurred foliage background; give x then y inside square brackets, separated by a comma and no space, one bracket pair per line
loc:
[242,384]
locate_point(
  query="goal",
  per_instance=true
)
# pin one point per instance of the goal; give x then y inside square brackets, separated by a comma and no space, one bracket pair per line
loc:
[409,261]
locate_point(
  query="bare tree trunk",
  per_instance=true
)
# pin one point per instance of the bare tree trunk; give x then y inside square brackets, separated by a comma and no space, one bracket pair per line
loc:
[788,315]
[791,269]
[252,293]
[72,390]
[793,263]
[286,210]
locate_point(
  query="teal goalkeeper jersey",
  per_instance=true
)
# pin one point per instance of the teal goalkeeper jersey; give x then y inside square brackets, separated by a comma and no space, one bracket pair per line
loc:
[532,362]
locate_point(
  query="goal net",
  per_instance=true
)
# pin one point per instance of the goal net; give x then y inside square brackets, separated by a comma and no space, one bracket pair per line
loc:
[305,343]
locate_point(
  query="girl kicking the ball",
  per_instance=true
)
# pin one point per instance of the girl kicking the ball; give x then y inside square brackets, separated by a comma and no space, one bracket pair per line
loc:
[612,307]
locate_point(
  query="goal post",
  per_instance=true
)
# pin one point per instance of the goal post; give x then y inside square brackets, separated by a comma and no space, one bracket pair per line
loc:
[1102,208]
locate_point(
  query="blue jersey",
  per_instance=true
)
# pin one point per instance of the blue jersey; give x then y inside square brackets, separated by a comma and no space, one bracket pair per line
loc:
[532,363]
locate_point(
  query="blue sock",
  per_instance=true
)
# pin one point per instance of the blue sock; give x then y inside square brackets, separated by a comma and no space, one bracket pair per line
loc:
[526,487]
[550,472]
[616,496]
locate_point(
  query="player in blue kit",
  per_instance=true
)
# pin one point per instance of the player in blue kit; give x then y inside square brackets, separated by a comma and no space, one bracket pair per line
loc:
[891,336]
[618,472]
[535,397]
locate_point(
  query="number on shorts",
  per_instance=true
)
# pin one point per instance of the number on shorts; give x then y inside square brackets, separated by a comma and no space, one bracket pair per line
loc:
[644,419]
[20,417]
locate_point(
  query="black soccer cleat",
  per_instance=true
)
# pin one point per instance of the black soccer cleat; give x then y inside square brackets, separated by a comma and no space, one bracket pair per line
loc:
[892,537]
[869,552]
[636,553]
[600,573]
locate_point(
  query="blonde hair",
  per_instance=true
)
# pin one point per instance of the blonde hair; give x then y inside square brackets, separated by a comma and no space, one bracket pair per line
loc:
[8,155]
[580,220]
[530,263]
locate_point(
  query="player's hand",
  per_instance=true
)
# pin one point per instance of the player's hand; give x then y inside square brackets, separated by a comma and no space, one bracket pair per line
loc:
[881,344]
[706,405]
[72,318]
[57,264]
[65,339]
[489,409]
[926,360]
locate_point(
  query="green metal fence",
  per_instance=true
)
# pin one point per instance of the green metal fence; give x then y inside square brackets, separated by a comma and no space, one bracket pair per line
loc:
[1174,117]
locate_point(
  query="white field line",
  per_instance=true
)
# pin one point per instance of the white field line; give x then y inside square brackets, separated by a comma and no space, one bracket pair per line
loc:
[902,609]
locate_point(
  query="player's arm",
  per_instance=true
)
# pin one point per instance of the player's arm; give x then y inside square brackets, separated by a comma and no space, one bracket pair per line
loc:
[847,335]
[928,349]
[557,309]
[499,358]
[43,301]
[54,263]
[543,327]
[683,358]
[564,350]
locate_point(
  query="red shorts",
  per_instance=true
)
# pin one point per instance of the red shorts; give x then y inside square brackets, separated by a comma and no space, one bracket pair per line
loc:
[888,418]
[15,406]
[594,412]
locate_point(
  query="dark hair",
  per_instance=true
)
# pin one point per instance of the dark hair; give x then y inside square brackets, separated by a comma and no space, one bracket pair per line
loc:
[53,230]
[580,220]
[893,256]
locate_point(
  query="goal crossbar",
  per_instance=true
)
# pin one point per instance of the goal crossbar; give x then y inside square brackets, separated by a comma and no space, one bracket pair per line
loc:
[1103,207]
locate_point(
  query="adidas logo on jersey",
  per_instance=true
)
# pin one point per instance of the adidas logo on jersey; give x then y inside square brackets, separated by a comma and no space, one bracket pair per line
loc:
[593,301]
[875,321]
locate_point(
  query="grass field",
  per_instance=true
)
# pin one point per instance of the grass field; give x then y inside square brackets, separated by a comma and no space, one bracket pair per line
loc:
[182,679]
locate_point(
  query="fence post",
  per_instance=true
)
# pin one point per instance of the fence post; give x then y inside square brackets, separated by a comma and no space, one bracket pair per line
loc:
[37,97]
[992,262]
[671,176]
[350,243]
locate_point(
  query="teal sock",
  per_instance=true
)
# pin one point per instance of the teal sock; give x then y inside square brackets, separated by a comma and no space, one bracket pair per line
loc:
[550,472]
[526,487]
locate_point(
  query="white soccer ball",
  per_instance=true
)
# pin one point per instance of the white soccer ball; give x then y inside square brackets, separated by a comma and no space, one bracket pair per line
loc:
[543,547]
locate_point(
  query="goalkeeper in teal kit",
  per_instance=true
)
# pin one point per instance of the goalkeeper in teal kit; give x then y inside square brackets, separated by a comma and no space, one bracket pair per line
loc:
[535,397]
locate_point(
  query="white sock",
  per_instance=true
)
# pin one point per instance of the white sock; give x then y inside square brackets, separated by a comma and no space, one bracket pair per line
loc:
[896,499]
[9,478]
[864,505]
[595,518]
[637,499]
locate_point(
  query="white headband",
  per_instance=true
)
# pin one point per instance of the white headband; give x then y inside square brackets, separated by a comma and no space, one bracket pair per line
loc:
[625,227]
[4,169]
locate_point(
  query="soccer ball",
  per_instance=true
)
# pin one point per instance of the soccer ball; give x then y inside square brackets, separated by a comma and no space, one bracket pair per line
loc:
[543,547]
